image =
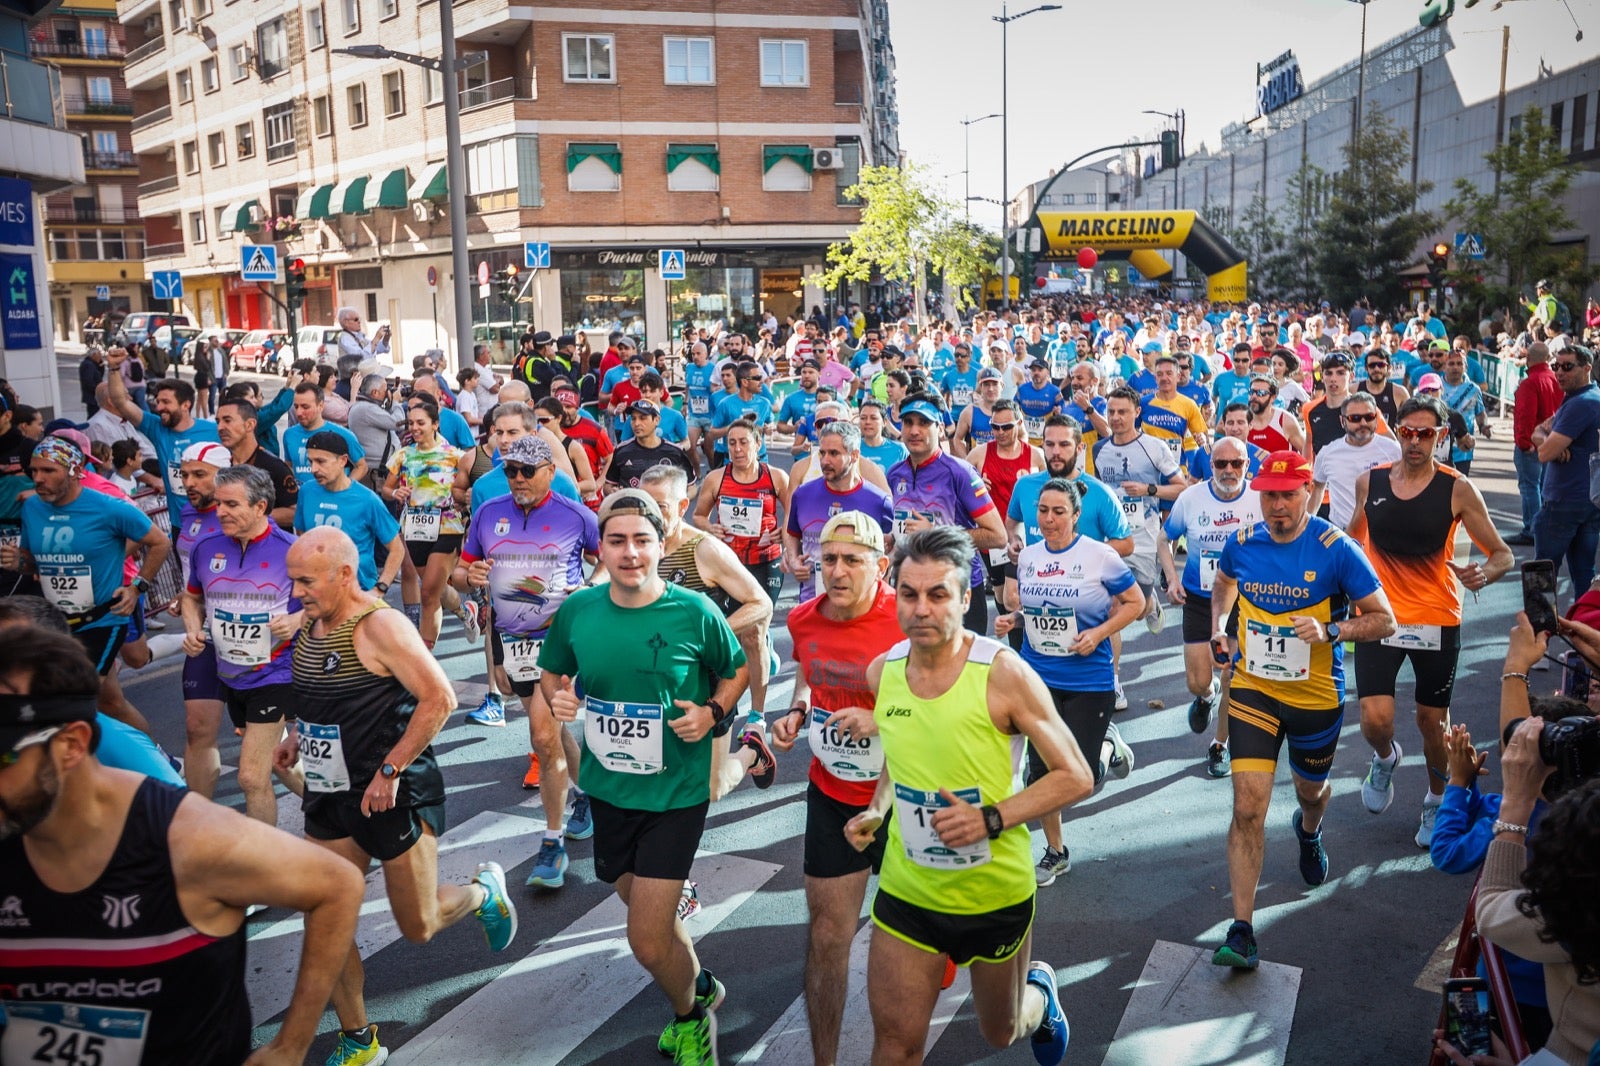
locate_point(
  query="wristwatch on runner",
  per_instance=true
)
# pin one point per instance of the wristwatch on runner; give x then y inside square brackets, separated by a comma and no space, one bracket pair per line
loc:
[1333,632]
[389,771]
[992,821]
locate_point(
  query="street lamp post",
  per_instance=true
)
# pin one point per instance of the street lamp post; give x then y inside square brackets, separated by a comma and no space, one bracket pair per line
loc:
[448,65]
[1361,68]
[1005,19]
[966,136]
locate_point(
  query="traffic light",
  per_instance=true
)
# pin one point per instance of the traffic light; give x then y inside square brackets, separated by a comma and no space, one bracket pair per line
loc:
[1438,263]
[296,283]
[1169,149]
[507,283]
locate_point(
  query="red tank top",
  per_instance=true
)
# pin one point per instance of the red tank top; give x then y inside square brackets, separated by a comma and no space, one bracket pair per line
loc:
[1000,473]
[749,510]
[1271,437]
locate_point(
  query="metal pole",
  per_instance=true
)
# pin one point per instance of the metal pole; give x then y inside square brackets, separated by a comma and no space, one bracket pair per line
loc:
[1361,69]
[456,175]
[966,171]
[1005,172]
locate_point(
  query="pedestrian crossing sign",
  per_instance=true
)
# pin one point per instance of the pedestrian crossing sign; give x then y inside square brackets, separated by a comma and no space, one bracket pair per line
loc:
[258,262]
[1469,246]
[672,264]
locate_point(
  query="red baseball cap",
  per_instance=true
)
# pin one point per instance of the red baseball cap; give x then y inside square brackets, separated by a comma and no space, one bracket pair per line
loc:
[1282,472]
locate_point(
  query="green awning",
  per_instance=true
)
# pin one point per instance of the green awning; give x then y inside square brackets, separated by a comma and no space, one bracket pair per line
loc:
[432,184]
[313,203]
[607,153]
[705,153]
[773,154]
[240,217]
[349,197]
[387,190]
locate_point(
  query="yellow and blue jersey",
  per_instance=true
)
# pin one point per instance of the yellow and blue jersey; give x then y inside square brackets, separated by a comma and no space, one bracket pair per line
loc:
[1317,575]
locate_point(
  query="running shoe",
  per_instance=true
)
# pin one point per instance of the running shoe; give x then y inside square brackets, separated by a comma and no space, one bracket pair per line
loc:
[1377,790]
[949,974]
[351,1052]
[580,823]
[531,778]
[1218,762]
[711,999]
[549,866]
[1238,950]
[764,770]
[1313,858]
[498,914]
[1050,1039]
[1121,763]
[694,1041]
[1204,708]
[491,712]
[689,901]
[1424,836]
[1051,866]
[471,619]
[1122,697]
[1156,620]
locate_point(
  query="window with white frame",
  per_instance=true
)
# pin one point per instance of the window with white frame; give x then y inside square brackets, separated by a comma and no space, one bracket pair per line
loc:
[355,100]
[210,78]
[272,48]
[588,56]
[105,142]
[693,168]
[784,64]
[185,82]
[316,27]
[432,86]
[492,165]
[191,157]
[217,149]
[394,94]
[277,123]
[322,116]
[352,16]
[244,140]
[786,167]
[94,40]
[239,62]
[1090,198]
[690,61]
[1069,199]
[391,8]
[594,166]
[197,227]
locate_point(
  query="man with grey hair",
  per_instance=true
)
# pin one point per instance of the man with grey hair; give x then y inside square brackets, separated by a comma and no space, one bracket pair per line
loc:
[107,426]
[373,423]
[240,600]
[352,341]
[839,488]
[1338,464]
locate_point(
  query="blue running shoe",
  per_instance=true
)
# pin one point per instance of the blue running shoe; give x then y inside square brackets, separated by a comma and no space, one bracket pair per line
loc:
[491,712]
[1050,1039]
[498,914]
[1239,949]
[549,866]
[351,1052]
[1313,857]
[580,823]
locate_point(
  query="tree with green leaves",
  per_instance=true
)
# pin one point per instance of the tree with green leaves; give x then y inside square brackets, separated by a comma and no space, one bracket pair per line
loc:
[907,229]
[1258,238]
[1372,228]
[1517,221]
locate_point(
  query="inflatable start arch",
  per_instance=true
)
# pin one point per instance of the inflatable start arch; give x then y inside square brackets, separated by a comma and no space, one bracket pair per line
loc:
[1137,236]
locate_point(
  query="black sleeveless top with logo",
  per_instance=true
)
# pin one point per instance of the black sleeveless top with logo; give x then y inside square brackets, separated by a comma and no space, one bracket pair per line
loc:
[339,701]
[115,974]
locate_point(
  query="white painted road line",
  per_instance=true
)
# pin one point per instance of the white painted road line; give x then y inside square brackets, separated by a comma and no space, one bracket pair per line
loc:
[556,997]
[272,959]
[788,1042]
[1186,1010]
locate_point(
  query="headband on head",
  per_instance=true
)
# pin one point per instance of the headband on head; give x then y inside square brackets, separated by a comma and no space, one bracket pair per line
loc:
[62,452]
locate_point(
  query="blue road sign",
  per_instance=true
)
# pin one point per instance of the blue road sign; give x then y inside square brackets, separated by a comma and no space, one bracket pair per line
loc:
[102,292]
[19,303]
[166,284]
[258,262]
[1469,246]
[536,255]
[672,264]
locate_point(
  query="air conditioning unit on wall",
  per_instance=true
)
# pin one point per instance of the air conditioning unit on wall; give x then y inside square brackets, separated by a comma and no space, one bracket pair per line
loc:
[826,159]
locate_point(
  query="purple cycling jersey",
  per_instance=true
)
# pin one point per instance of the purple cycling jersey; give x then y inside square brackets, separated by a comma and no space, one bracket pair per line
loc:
[813,503]
[944,490]
[193,526]
[246,586]
[537,557]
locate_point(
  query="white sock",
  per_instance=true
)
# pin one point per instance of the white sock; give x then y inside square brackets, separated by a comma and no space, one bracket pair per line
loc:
[1394,755]
[1430,800]
[552,834]
[162,645]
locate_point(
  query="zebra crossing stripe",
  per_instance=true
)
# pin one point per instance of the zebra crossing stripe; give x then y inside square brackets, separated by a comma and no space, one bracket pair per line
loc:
[1182,1002]
[589,964]
[788,1042]
[274,951]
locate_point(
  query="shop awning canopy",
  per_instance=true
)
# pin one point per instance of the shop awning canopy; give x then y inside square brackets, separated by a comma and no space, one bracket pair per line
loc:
[773,154]
[349,197]
[607,153]
[313,203]
[240,217]
[432,184]
[387,190]
[677,154]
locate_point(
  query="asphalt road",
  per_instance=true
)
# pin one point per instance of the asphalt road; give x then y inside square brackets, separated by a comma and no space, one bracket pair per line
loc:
[1367,948]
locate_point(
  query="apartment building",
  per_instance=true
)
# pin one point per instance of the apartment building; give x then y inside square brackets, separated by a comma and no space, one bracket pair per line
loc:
[92,229]
[38,156]
[730,129]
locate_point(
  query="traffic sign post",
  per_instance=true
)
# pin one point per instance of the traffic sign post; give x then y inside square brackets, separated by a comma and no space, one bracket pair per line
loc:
[672,264]
[1469,246]
[166,284]
[483,280]
[258,262]
[536,255]
[102,292]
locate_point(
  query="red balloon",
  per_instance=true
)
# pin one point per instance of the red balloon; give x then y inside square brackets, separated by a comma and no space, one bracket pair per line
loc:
[1039,282]
[1087,258]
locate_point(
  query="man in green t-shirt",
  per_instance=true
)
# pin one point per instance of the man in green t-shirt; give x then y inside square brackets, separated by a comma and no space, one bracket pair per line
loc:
[660,673]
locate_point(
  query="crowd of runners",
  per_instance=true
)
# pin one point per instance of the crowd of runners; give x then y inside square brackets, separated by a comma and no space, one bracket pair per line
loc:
[968,521]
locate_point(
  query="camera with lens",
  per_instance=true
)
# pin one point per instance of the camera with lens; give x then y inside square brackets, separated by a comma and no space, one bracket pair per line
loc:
[1571,746]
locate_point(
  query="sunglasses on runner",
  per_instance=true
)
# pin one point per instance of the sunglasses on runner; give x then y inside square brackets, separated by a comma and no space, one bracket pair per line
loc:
[1563,367]
[1413,433]
[1260,392]
[1362,418]
[1227,464]
[1002,427]
[33,740]
[520,470]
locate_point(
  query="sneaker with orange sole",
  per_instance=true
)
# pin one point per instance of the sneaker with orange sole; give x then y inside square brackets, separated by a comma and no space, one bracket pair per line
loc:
[531,778]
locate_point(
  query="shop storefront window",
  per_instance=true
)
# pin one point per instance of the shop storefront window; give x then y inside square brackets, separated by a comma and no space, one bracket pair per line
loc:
[709,295]
[595,299]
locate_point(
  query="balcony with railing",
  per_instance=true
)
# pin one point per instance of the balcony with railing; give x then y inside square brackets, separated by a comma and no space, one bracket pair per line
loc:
[158,185]
[89,214]
[153,47]
[32,91]
[97,104]
[163,251]
[146,63]
[93,160]
[152,117]
[490,21]
[110,48]
[498,92]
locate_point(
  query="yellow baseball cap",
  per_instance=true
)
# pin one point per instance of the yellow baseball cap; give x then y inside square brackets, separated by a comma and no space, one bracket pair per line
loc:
[853,527]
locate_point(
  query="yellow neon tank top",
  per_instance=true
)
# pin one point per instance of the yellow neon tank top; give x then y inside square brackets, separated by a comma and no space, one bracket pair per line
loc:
[950,742]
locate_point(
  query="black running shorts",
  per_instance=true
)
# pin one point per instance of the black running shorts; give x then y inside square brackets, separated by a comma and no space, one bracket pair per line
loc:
[827,852]
[1378,668]
[258,706]
[102,643]
[1197,619]
[993,936]
[1086,715]
[421,550]
[645,843]
[1258,725]
[384,835]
